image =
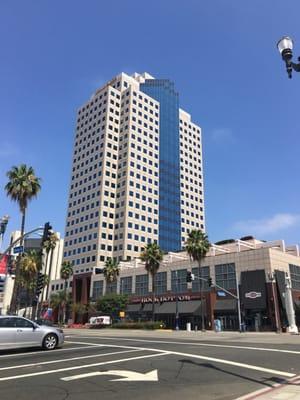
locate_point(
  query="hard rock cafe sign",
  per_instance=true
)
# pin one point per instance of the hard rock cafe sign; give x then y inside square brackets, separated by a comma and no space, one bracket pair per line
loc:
[163,299]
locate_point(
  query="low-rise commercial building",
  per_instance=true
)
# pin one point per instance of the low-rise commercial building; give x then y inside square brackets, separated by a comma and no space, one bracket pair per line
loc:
[257,268]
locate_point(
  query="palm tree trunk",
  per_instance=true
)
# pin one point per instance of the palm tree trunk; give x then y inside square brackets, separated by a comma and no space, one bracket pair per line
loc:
[153,297]
[65,305]
[14,299]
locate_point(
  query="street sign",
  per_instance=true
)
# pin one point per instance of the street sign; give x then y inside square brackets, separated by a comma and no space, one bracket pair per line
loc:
[18,249]
[221,293]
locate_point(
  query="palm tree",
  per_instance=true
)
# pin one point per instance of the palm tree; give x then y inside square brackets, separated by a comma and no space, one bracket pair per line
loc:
[111,271]
[79,310]
[152,256]
[58,301]
[66,272]
[22,186]
[49,245]
[197,246]
[30,264]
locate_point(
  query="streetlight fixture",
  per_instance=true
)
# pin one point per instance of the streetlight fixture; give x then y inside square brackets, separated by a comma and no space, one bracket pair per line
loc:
[285,47]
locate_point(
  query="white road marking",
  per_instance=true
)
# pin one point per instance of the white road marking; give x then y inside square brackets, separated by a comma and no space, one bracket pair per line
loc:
[65,360]
[191,344]
[47,352]
[128,376]
[218,360]
[236,364]
[9,378]
[161,353]
[120,346]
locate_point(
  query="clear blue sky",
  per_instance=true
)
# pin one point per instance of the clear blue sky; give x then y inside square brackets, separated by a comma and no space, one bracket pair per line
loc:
[221,55]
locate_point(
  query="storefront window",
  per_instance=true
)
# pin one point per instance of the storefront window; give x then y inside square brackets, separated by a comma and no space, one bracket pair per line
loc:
[111,287]
[202,272]
[225,275]
[178,283]
[126,285]
[295,276]
[97,289]
[160,283]
[141,285]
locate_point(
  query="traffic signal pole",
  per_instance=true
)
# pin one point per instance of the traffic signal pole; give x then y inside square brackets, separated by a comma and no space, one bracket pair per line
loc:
[237,296]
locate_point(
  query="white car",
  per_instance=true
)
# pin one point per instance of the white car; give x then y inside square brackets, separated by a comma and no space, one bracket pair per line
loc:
[18,332]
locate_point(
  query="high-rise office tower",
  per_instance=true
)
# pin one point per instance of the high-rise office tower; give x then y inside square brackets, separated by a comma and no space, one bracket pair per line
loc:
[136,173]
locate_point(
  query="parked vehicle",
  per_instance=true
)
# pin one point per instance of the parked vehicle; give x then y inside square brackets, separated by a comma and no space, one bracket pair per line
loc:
[19,332]
[103,320]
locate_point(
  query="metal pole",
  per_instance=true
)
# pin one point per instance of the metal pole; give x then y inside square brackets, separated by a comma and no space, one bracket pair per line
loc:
[177,311]
[238,300]
[201,296]
[275,303]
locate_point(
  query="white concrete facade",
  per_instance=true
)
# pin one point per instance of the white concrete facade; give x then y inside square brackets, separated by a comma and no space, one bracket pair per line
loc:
[113,207]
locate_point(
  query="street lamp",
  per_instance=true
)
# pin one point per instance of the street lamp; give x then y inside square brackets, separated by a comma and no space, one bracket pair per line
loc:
[285,48]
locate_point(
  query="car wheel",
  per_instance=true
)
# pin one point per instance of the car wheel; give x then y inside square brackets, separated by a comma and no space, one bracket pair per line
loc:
[50,341]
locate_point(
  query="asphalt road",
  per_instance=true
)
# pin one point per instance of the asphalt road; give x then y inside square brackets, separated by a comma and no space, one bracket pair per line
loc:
[129,365]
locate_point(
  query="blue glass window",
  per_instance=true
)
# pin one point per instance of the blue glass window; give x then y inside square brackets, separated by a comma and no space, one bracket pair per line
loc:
[169,162]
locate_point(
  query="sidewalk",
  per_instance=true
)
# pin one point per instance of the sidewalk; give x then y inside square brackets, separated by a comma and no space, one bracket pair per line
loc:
[290,390]
[225,336]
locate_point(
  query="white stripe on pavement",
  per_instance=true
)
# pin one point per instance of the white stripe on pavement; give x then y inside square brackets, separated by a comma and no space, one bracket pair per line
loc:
[217,360]
[236,364]
[47,352]
[8,378]
[65,360]
[189,343]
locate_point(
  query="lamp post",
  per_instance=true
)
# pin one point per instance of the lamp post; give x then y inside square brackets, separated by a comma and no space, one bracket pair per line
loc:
[285,47]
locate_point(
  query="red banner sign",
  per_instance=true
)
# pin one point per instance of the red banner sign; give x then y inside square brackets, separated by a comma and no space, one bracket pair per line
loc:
[3,265]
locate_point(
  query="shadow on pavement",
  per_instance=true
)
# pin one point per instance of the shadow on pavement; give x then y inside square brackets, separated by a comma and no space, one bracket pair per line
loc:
[265,381]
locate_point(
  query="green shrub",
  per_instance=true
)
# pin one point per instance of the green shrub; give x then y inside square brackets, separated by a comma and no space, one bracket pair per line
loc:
[139,325]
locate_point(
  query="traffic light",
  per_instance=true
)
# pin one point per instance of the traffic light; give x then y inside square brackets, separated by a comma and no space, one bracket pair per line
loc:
[47,232]
[209,281]
[39,283]
[11,265]
[189,276]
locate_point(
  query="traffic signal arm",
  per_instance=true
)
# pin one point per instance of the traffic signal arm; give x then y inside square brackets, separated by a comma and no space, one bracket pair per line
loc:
[209,282]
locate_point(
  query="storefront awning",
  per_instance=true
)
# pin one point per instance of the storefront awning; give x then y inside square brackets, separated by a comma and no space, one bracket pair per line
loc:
[184,307]
[133,308]
[226,305]
[168,307]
